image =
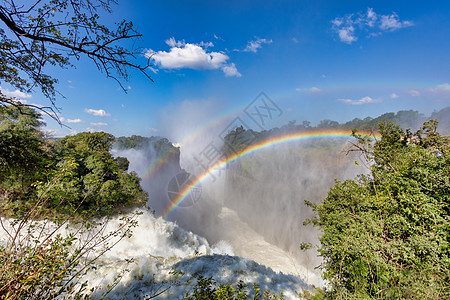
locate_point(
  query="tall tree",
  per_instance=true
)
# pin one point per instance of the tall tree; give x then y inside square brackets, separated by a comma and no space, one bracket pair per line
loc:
[36,34]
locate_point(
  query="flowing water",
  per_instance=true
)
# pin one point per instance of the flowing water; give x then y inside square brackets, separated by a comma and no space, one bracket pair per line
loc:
[245,225]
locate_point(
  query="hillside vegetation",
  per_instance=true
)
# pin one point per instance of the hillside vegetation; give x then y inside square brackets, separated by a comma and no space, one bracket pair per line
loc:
[75,174]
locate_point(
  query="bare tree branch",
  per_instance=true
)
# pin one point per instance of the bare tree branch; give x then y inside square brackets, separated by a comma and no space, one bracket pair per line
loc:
[53,33]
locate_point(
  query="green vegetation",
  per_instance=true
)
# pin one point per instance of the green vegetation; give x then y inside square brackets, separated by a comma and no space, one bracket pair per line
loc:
[90,182]
[387,234]
[44,184]
[132,142]
[405,119]
[74,179]
[206,289]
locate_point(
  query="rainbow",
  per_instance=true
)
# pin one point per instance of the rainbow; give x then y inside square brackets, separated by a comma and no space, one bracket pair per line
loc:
[156,165]
[290,137]
[193,137]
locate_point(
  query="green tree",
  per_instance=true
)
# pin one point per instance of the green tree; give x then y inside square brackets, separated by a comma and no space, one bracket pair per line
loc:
[23,154]
[67,183]
[36,35]
[100,184]
[386,235]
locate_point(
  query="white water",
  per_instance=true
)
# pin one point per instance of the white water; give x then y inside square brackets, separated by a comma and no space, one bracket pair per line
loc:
[256,241]
[157,247]
[259,221]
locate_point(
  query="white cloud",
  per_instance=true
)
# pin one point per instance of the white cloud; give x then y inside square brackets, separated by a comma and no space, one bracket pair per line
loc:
[97,112]
[50,132]
[392,23]
[445,87]
[173,43]
[414,93]
[347,34]
[253,46]
[189,56]
[230,70]
[310,90]
[192,56]
[371,17]
[153,129]
[348,28]
[218,37]
[294,40]
[15,94]
[394,96]
[72,131]
[71,120]
[74,120]
[206,44]
[364,100]
[99,124]
[154,70]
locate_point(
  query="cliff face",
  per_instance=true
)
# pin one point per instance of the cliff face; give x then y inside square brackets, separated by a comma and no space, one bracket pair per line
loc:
[156,161]
[162,165]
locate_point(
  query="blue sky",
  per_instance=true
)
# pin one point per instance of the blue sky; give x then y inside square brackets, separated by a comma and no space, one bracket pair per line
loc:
[314,59]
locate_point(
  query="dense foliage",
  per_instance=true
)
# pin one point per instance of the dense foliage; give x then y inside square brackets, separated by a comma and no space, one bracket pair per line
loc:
[387,234]
[207,289]
[90,181]
[132,142]
[44,184]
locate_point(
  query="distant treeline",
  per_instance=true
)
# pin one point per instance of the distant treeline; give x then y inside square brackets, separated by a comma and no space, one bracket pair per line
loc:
[141,142]
[240,138]
[406,119]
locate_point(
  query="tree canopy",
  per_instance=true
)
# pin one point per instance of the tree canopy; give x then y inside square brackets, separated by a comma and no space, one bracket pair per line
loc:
[76,173]
[37,34]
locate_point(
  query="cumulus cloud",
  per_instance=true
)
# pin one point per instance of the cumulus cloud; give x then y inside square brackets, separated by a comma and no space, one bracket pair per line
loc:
[414,93]
[192,56]
[364,100]
[16,94]
[310,90]
[349,27]
[99,124]
[253,46]
[230,70]
[189,56]
[97,112]
[445,87]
